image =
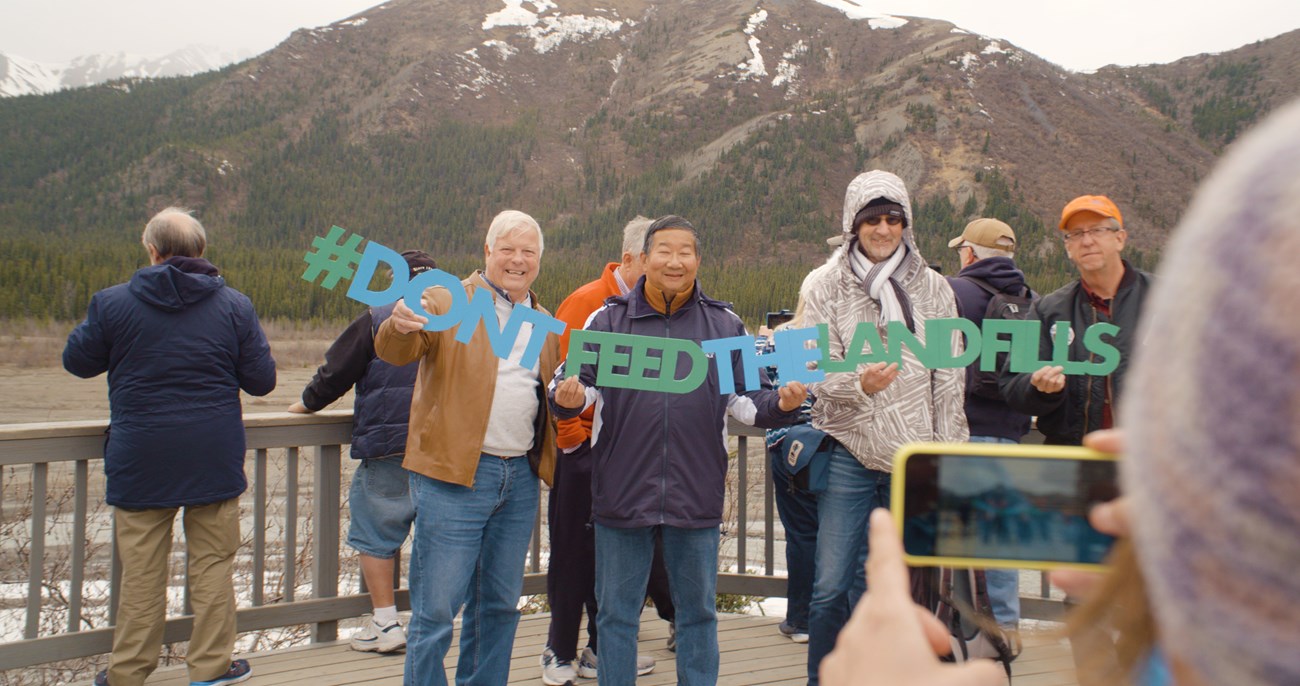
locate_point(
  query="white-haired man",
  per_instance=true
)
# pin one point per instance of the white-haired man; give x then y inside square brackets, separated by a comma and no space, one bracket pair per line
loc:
[479,437]
[178,345]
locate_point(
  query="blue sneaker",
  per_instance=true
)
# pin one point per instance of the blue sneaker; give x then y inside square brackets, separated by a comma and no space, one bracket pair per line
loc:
[101,679]
[239,671]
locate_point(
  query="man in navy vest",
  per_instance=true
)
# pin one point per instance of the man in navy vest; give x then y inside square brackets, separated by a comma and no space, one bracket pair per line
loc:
[380,498]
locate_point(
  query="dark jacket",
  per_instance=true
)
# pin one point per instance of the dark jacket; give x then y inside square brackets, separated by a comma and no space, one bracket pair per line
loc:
[987,412]
[1065,417]
[382,406]
[178,345]
[661,458]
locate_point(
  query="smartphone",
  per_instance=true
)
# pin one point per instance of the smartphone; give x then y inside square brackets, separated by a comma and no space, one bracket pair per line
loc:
[1001,505]
[775,319]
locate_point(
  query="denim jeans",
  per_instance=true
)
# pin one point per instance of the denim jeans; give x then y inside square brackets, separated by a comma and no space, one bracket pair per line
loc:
[798,512]
[1003,584]
[852,492]
[380,503]
[468,550]
[622,568]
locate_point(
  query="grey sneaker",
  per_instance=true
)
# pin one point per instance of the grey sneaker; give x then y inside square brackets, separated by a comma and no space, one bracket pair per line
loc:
[373,638]
[672,637]
[789,631]
[239,672]
[587,664]
[557,672]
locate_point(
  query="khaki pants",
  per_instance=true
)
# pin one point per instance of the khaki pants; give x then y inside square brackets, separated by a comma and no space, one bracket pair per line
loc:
[144,541]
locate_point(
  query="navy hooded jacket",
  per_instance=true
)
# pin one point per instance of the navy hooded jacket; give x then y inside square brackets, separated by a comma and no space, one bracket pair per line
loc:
[661,458]
[988,415]
[178,345]
[382,408]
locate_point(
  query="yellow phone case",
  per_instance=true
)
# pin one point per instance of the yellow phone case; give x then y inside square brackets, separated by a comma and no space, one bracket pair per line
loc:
[990,449]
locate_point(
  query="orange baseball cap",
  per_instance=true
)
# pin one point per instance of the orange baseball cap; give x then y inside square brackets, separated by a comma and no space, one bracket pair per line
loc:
[1098,204]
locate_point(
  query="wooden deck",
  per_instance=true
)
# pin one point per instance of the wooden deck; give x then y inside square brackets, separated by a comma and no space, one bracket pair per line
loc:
[753,653]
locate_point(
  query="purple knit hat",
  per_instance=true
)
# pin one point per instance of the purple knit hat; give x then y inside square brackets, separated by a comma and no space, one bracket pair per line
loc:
[1213,420]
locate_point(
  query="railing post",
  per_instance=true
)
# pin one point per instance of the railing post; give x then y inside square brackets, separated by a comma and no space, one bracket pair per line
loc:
[36,553]
[325,544]
[742,502]
[78,569]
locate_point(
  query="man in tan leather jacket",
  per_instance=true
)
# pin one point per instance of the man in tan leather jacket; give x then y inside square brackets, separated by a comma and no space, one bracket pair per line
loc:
[480,435]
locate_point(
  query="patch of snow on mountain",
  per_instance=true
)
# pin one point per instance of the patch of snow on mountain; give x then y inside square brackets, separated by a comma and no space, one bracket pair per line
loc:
[515,14]
[753,67]
[550,32]
[854,10]
[787,71]
[504,49]
[354,22]
[993,48]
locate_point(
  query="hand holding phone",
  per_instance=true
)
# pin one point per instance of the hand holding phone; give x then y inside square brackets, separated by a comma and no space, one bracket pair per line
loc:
[1003,506]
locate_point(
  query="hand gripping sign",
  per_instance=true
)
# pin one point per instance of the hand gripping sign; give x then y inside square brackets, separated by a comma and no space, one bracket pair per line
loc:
[625,360]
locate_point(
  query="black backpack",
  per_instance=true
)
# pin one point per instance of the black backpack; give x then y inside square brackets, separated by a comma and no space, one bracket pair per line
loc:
[959,599]
[1001,306]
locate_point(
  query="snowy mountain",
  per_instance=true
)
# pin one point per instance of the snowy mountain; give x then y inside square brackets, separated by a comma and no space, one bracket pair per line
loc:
[20,76]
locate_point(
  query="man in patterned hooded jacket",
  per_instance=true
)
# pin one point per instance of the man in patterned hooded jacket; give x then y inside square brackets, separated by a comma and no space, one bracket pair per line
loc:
[876,277]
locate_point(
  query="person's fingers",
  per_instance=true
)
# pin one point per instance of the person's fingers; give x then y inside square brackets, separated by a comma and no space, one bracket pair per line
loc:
[885,567]
[974,673]
[1105,440]
[1076,583]
[1112,517]
[936,634]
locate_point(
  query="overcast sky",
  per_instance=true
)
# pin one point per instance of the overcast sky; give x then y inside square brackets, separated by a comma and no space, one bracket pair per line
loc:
[1077,34]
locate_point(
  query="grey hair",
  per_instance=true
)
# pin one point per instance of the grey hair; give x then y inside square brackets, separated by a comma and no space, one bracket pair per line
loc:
[634,235]
[510,222]
[174,232]
[983,253]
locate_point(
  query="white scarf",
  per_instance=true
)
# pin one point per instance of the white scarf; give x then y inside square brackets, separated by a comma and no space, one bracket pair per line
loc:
[876,277]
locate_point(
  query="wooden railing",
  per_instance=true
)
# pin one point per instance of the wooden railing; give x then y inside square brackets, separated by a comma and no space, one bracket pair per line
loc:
[51,501]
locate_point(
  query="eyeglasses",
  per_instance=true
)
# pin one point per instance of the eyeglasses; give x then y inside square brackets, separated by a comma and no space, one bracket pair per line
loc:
[1094,233]
[888,218]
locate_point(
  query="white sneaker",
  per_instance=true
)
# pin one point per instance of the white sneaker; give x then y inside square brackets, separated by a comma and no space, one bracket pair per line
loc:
[587,664]
[373,638]
[557,672]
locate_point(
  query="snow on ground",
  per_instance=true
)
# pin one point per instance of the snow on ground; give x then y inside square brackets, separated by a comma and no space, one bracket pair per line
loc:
[854,10]
[549,31]
[753,67]
[787,71]
[504,49]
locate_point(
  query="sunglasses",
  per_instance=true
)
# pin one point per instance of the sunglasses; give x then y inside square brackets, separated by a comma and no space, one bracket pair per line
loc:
[887,218]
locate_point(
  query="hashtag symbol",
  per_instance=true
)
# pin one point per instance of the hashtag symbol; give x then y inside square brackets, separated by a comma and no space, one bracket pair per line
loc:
[337,260]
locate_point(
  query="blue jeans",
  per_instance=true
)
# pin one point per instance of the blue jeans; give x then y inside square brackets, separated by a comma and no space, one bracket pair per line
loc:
[852,492]
[381,507]
[622,568]
[468,550]
[798,512]
[1003,584]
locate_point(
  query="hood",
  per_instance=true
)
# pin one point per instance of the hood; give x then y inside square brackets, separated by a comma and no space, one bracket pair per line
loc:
[863,189]
[176,284]
[1000,273]
[867,187]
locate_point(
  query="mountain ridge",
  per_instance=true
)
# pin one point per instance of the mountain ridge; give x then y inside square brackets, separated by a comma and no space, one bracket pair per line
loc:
[415,121]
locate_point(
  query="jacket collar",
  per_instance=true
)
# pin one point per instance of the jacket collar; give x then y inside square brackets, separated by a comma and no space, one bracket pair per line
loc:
[638,306]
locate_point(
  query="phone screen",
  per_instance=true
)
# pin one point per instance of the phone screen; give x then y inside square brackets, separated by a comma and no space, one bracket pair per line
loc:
[1006,508]
[775,319]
